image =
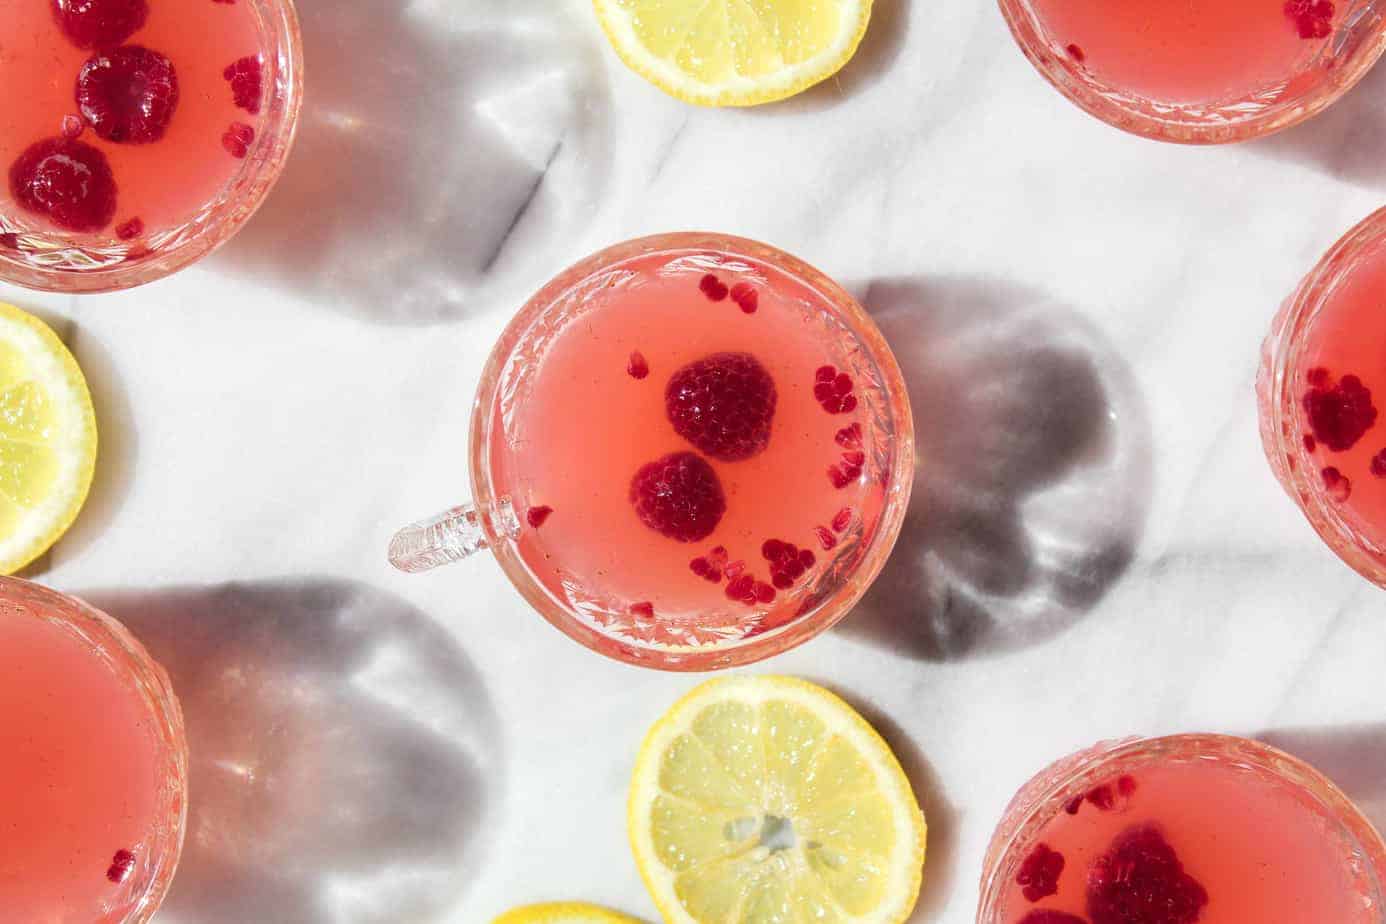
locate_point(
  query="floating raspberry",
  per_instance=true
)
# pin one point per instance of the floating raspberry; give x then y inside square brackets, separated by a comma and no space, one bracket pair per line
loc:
[1141,881]
[1039,874]
[245,76]
[679,496]
[713,288]
[723,404]
[121,865]
[128,95]
[99,23]
[637,367]
[745,296]
[237,139]
[1313,19]
[68,181]
[1339,414]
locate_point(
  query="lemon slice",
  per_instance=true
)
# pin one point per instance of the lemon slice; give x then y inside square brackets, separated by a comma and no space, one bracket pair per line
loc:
[562,913]
[734,52]
[47,438]
[768,800]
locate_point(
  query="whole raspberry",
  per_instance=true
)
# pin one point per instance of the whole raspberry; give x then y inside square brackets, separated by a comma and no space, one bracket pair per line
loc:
[1141,881]
[99,23]
[128,95]
[723,404]
[66,180]
[679,496]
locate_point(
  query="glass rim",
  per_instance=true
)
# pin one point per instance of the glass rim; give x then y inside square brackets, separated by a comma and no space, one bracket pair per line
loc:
[1278,403]
[221,218]
[1043,795]
[737,652]
[1188,124]
[154,686]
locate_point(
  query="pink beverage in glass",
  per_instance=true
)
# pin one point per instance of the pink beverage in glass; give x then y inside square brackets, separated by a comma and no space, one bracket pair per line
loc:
[94,768]
[1322,384]
[1212,71]
[137,134]
[690,451]
[1192,829]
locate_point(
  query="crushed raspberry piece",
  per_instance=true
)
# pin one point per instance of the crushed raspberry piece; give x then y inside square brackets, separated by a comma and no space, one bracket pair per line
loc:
[745,295]
[713,288]
[825,538]
[237,139]
[1378,465]
[1339,414]
[128,95]
[843,475]
[1339,485]
[855,458]
[742,588]
[806,559]
[130,229]
[1040,872]
[99,23]
[842,520]
[1076,53]
[700,566]
[244,75]
[679,496]
[718,556]
[764,592]
[1102,797]
[1141,881]
[1126,785]
[824,374]
[1310,444]
[121,865]
[9,240]
[849,437]
[72,126]
[637,368]
[68,181]
[735,568]
[1074,805]
[1047,916]
[1317,376]
[1313,19]
[644,610]
[723,404]
[537,515]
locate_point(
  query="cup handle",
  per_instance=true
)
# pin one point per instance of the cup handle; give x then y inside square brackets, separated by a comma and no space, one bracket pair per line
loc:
[448,537]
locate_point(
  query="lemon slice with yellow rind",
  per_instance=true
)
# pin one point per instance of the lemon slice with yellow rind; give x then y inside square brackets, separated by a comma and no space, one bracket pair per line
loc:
[47,438]
[734,52]
[563,913]
[768,800]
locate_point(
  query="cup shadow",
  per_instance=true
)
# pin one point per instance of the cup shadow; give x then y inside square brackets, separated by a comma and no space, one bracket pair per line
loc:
[1343,142]
[343,751]
[1033,478]
[1352,756]
[941,816]
[437,146]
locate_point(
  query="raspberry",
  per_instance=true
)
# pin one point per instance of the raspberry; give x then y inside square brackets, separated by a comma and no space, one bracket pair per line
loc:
[713,288]
[1141,881]
[746,297]
[245,75]
[679,496]
[1313,19]
[99,23]
[237,139]
[537,515]
[1039,874]
[637,367]
[723,404]
[1339,485]
[68,181]
[1339,414]
[121,865]
[128,95]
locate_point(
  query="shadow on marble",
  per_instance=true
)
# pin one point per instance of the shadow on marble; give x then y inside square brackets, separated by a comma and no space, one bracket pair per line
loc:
[1352,756]
[439,144]
[1344,142]
[344,752]
[1033,478]
[879,48]
[942,818]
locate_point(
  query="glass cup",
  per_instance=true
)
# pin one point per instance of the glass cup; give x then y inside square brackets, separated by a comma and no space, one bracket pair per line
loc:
[146,881]
[1068,782]
[491,521]
[1280,388]
[57,261]
[1357,41]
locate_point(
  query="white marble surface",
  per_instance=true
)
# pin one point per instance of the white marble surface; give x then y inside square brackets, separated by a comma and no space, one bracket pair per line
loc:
[1096,547]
